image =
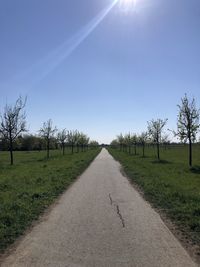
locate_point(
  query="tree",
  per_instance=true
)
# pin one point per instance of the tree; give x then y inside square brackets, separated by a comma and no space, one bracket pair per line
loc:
[93,144]
[127,141]
[155,128]
[47,132]
[165,140]
[83,141]
[29,142]
[134,139]
[143,138]
[62,136]
[13,123]
[72,137]
[188,123]
[120,140]
[114,143]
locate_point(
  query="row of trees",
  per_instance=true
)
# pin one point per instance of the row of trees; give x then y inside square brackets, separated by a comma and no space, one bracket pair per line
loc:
[71,138]
[13,125]
[187,130]
[153,136]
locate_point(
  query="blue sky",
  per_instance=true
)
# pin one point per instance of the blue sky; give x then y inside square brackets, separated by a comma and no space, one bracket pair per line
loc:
[134,66]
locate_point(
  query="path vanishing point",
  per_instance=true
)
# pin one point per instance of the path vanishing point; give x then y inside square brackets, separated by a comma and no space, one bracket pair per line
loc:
[100,221]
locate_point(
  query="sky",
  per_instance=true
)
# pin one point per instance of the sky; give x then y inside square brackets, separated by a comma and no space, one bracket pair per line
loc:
[100,66]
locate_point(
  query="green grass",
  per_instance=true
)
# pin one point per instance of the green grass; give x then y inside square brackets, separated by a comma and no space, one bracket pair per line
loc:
[32,184]
[168,184]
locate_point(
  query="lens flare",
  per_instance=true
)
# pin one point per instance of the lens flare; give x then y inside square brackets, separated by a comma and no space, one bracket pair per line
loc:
[38,71]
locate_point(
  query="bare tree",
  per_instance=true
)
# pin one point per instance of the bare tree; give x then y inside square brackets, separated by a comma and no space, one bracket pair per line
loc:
[155,128]
[13,123]
[62,136]
[188,123]
[47,132]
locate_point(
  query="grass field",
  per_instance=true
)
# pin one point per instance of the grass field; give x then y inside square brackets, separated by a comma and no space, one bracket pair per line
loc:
[169,184]
[32,184]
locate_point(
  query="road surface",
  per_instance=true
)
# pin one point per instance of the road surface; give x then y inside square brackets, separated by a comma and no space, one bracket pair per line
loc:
[101,220]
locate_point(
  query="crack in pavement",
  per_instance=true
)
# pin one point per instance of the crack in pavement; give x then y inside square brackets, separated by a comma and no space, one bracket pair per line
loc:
[120,216]
[118,211]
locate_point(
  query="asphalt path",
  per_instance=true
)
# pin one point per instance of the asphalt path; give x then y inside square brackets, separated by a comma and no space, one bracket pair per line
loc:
[101,220]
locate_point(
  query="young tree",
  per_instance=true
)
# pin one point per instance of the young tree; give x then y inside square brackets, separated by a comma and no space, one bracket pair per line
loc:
[127,141]
[143,138]
[114,143]
[83,141]
[1,142]
[155,129]
[120,140]
[165,140]
[13,123]
[93,144]
[28,142]
[134,140]
[188,123]
[72,137]
[62,136]
[47,132]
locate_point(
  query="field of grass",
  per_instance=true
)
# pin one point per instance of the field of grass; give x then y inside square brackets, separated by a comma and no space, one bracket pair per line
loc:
[169,184]
[32,184]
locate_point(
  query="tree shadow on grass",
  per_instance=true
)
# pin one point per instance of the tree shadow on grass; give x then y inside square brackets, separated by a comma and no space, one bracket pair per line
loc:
[144,157]
[195,169]
[161,162]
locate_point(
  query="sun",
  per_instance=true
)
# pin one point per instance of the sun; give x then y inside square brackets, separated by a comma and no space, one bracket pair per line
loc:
[128,1]
[127,5]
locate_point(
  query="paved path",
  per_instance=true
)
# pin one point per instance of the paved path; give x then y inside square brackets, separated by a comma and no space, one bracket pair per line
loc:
[100,221]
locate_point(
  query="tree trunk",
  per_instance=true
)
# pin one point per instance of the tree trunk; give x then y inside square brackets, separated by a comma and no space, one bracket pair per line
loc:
[143,150]
[135,150]
[72,148]
[190,152]
[48,148]
[11,152]
[63,147]
[158,150]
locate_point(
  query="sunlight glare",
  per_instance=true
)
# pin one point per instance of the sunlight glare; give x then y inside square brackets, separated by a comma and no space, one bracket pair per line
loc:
[127,5]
